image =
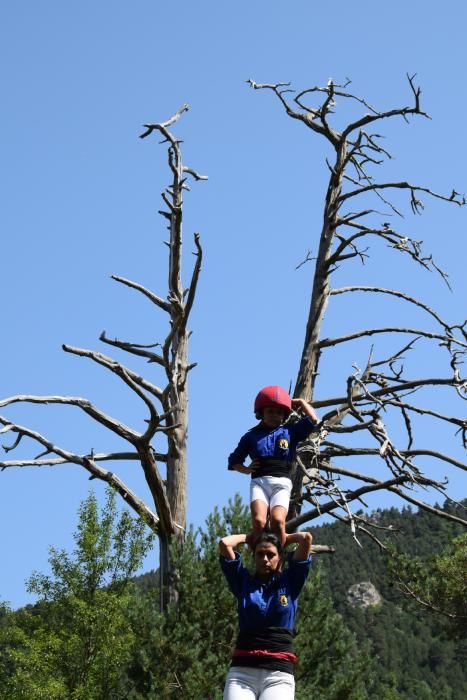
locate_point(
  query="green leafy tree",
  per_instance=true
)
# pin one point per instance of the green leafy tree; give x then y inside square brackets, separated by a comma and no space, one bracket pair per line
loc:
[74,643]
[438,583]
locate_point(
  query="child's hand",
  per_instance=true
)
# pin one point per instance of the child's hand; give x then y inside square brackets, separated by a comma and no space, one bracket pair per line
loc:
[306,408]
[245,470]
[255,464]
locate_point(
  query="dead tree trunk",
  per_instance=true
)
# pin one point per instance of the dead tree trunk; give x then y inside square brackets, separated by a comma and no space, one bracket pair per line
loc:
[370,393]
[167,513]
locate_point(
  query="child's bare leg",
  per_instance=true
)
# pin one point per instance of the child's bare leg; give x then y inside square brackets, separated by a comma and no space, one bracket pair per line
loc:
[277,519]
[259,514]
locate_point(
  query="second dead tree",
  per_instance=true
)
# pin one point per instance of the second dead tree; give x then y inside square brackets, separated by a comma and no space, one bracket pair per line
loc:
[372,393]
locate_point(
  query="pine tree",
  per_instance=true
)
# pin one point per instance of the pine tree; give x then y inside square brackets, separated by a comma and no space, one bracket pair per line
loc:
[74,643]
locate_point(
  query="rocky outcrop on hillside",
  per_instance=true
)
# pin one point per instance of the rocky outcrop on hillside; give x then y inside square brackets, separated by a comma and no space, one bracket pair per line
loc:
[363,595]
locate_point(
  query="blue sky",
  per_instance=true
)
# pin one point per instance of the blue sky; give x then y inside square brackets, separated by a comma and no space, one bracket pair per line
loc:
[81,194]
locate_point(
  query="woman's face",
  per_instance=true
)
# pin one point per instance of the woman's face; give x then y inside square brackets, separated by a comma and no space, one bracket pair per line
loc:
[267,560]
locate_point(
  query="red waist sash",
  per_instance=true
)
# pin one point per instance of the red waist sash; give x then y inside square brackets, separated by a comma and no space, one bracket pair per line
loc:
[282,655]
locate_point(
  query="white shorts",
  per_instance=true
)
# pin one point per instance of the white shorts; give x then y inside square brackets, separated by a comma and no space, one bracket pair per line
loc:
[245,683]
[272,490]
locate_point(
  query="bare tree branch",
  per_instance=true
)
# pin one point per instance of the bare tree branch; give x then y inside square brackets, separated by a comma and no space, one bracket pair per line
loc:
[58,461]
[309,117]
[331,505]
[149,517]
[121,372]
[164,305]
[334,450]
[374,485]
[84,404]
[416,204]
[405,588]
[406,386]
[165,125]
[194,173]
[397,241]
[134,349]
[393,292]
[402,112]
[462,423]
[329,342]
[90,465]
[194,280]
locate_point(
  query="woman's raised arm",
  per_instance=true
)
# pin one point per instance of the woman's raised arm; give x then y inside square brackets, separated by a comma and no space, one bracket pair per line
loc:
[304,540]
[228,543]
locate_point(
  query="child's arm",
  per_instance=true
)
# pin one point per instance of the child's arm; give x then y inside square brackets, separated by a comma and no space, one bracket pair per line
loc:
[306,408]
[238,456]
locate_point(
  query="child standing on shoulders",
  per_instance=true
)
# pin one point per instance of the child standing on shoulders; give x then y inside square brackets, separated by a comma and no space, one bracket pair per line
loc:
[271,446]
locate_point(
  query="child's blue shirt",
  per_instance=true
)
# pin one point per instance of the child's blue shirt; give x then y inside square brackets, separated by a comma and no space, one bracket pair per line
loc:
[275,447]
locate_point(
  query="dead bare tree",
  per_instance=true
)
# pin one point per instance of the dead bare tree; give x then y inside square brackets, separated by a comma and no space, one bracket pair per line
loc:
[365,409]
[166,407]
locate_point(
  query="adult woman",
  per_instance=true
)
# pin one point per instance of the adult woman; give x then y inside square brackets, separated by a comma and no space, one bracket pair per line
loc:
[263,660]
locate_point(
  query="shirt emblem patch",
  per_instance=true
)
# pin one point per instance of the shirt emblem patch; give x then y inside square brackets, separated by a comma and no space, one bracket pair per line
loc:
[283,600]
[283,444]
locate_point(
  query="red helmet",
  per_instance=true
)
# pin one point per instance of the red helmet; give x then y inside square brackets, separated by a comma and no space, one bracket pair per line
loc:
[273,396]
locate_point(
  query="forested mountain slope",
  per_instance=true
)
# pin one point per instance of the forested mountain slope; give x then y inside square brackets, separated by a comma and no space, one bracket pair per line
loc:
[411,644]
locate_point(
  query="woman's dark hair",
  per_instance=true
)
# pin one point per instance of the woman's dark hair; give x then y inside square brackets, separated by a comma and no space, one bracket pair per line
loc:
[269,538]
